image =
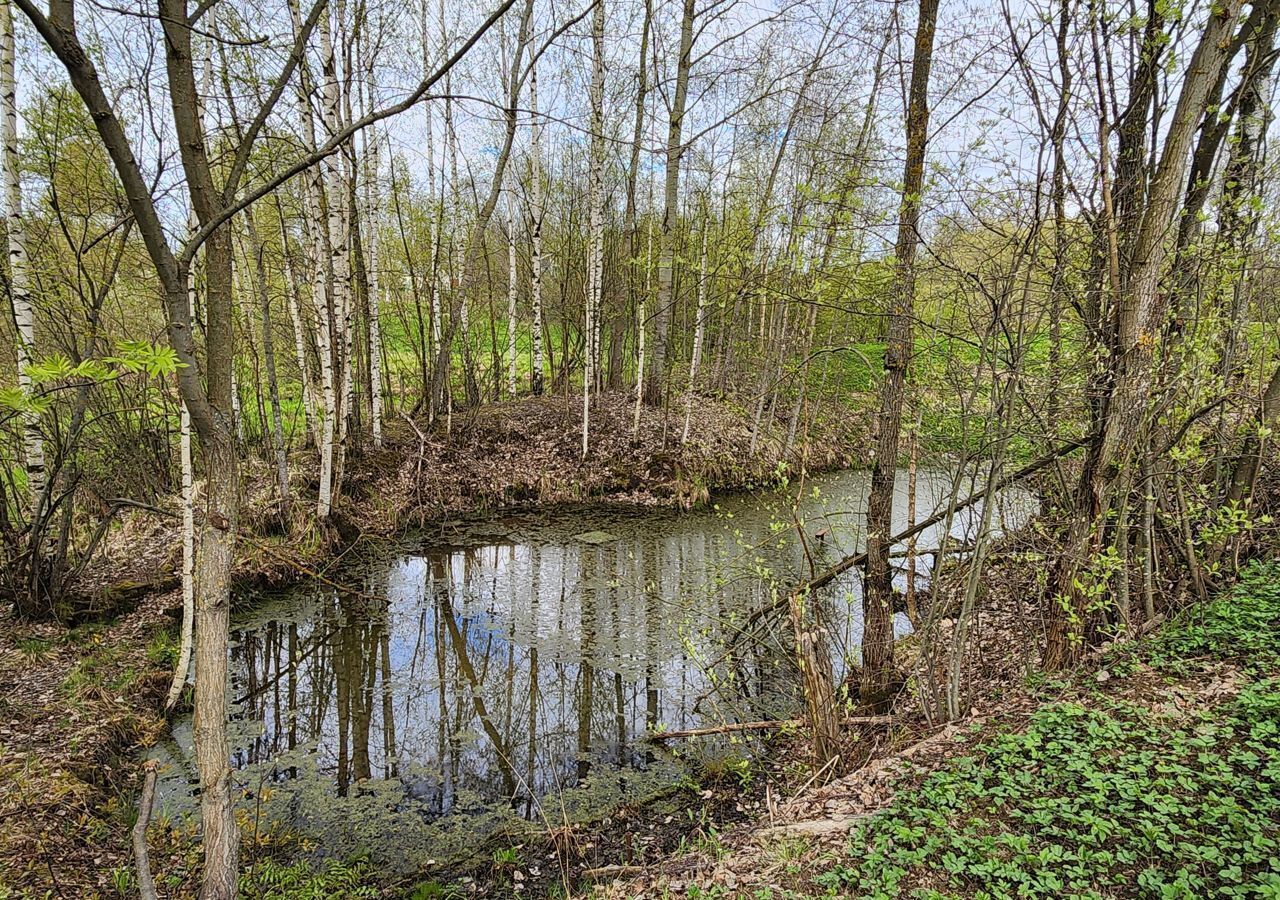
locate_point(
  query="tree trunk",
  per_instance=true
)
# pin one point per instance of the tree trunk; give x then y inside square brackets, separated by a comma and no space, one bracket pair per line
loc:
[372,240]
[595,215]
[220,838]
[653,389]
[877,600]
[536,214]
[183,667]
[19,276]
[337,227]
[642,324]
[629,224]
[1249,462]
[1057,197]
[512,293]
[699,327]
[1130,341]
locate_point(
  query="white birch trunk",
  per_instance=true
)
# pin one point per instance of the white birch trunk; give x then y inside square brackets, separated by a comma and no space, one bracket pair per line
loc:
[333,342]
[342,265]
[318,262]
[595,202]
[188,536]
[372,162]
[324,348]
[457,243]
[432,277]
[373,151]
[237,414]
[187,466]
[535,279]
[511,300]
[699,328]
[19,275]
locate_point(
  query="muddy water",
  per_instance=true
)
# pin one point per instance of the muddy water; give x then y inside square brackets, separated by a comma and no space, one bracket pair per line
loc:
[494,674]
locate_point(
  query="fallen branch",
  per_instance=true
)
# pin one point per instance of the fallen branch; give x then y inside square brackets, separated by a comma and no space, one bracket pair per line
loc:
[298,565]
[146,885]
[766,725]
[854,559]
[612,871]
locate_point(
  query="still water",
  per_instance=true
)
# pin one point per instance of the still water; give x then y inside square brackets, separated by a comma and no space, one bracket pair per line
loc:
[504,672]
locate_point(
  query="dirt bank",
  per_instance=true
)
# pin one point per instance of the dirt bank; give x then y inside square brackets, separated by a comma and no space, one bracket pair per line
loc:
[519,454]
[522,454]
[529,452]
[74,704]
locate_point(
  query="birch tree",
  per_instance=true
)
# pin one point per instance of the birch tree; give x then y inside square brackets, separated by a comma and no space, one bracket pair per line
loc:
[536,213]
[337,228]
[699,325]
[595,203]
[19,276]
[512,292]
[372,241]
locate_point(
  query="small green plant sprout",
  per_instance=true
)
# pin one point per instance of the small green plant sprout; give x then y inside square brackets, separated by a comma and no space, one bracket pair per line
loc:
[506,857]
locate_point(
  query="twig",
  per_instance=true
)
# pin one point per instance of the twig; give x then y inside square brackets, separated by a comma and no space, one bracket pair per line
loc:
[146,886]
[611,871]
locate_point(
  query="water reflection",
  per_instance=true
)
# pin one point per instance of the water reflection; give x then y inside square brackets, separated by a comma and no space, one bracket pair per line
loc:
[510,672]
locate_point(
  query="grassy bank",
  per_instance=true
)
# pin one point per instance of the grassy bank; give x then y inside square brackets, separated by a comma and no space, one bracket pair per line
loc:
[1154,773]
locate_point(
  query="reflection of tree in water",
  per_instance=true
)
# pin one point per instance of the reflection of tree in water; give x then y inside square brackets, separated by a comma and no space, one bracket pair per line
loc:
[469,675]
[500,742]
[367,682]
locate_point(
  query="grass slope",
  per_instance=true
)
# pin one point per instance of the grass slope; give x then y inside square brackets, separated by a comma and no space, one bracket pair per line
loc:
[1107,794]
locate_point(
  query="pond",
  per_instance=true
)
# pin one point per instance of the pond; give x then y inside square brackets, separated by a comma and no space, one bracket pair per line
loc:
[505,671]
